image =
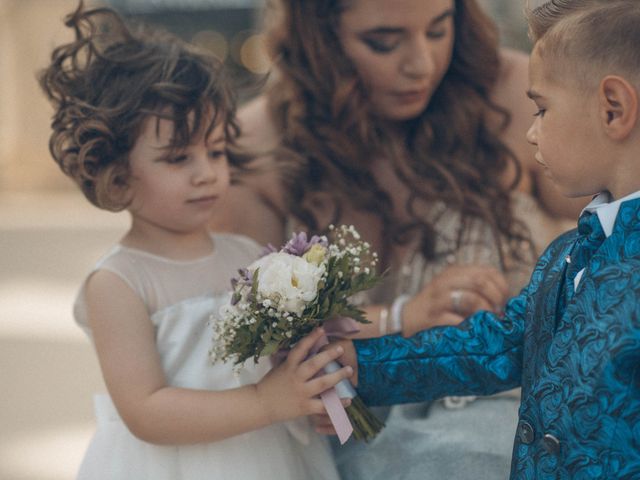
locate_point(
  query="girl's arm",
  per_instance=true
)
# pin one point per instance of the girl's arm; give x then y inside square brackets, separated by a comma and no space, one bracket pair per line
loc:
[158,413]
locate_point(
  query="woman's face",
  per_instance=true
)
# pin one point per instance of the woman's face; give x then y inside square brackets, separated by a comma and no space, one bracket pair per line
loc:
[401,50]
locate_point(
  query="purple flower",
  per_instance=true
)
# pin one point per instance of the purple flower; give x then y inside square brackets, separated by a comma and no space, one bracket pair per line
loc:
[267,250]
[243,279]
[298,244]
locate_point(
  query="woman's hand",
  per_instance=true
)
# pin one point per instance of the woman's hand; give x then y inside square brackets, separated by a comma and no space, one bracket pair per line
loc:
[454,294]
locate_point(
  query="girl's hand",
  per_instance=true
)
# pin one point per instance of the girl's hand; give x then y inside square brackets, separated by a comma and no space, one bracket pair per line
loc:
[454,294]
[292,389]
[321,422]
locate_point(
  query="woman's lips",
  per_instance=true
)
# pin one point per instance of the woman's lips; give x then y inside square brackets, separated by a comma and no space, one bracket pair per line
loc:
[411,96]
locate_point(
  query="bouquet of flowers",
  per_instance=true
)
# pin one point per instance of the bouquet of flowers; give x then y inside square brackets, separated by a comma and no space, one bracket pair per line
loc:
[286,293]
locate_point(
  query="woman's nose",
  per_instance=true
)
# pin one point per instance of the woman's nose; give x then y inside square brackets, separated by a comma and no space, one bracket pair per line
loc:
[419,60]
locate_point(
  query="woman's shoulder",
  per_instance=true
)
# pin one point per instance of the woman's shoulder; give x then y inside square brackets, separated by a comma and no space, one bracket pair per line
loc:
[255,205]
[258,129]
[513,79]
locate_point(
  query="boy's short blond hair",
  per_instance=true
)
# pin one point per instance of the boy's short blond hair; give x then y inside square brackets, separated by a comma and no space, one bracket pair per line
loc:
[584,40]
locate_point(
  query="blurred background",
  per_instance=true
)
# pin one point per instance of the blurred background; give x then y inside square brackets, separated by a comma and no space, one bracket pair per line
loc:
[50,236]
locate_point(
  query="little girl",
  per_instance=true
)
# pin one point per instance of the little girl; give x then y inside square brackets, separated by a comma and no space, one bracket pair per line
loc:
[143,122]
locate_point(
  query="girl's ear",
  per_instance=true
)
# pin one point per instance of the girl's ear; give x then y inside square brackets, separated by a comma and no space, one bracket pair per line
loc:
[116,188]
[618,101]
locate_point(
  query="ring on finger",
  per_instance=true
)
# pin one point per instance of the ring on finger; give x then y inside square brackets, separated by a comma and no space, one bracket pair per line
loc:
[456,300]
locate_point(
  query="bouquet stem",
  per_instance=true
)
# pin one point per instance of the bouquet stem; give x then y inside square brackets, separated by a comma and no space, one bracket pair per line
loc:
[365,424]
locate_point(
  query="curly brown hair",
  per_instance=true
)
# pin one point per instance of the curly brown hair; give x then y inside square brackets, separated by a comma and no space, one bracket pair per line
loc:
[109,80]
[329,136]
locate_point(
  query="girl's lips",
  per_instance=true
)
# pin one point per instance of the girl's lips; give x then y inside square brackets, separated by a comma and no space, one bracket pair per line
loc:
[203,200]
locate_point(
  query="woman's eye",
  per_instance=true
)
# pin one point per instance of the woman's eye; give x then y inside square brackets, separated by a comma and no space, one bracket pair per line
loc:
[539,113]
[437,34]
[380,46]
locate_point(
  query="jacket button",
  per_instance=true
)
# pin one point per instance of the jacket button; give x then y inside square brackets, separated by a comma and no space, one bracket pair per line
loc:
[526,433]
[551,444]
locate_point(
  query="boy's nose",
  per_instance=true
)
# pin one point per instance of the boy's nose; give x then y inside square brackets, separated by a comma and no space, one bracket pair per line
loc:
[532,136]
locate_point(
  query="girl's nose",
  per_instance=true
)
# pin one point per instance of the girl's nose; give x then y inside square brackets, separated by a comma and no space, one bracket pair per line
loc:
[204,171]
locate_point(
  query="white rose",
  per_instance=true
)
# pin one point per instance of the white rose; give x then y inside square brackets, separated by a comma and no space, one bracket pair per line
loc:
[290,281]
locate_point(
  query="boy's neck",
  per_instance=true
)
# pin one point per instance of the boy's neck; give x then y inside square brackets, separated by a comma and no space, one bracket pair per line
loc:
[625,177]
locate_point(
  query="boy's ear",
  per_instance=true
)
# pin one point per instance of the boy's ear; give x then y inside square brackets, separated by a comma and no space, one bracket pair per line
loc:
[618,106]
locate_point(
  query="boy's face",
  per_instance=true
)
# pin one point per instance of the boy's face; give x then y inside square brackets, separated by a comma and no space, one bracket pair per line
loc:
[566,132]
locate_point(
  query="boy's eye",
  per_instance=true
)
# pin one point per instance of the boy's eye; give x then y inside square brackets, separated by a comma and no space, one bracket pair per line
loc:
[539,113]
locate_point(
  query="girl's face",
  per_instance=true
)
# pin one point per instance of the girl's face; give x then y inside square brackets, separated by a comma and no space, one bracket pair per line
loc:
[401,50]
[176,191]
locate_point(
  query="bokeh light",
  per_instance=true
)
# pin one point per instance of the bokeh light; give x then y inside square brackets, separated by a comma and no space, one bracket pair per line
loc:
[213,41]
[253,54]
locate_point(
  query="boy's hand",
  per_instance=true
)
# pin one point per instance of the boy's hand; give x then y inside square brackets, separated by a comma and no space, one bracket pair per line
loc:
[348,358]
[292,389]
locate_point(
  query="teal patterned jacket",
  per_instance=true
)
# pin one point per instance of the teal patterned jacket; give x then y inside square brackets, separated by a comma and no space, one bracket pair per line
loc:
[576,356]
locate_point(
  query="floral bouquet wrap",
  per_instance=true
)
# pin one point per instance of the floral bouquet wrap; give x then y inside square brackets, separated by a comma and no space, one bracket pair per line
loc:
[285,294]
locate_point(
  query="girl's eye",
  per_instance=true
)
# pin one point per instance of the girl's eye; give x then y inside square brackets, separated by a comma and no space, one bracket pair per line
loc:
[539,113]
[380,46]
[217,154]
[177,159]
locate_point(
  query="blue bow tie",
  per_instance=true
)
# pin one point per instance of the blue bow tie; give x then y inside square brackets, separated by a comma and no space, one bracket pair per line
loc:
[591,237]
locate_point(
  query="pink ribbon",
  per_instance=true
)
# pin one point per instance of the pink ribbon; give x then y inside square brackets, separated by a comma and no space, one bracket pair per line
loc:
[337,328]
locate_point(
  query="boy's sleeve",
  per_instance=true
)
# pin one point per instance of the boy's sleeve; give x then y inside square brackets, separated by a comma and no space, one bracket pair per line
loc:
[481,356]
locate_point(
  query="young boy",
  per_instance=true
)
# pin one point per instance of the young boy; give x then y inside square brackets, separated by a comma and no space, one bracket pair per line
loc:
[571,339]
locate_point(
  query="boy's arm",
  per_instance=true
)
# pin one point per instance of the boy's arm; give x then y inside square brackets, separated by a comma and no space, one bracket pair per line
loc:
[481,356]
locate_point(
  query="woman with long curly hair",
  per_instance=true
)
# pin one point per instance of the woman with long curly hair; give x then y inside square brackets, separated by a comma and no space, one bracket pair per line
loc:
[405,119]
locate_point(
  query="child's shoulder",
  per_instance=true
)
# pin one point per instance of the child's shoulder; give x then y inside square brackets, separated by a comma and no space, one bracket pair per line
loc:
[561,243]
[237,244]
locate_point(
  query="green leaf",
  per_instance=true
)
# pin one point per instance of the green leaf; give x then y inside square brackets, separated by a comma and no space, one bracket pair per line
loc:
[270,348]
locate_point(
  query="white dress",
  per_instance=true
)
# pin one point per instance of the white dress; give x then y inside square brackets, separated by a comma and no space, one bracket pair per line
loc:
[181,297]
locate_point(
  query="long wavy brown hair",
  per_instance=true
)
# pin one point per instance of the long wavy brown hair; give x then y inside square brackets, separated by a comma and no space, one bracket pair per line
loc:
[109,80]
[329,137]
